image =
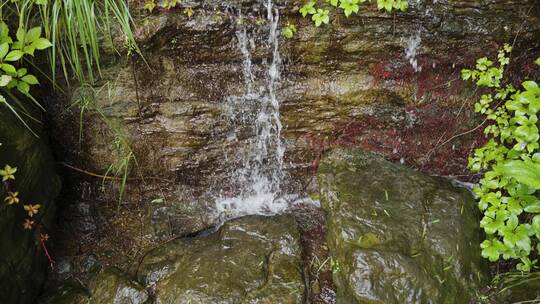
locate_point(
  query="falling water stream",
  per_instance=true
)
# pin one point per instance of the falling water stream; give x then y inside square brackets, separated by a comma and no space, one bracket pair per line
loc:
[260,175]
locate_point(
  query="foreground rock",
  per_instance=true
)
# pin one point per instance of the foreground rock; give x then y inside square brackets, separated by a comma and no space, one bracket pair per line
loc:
[517,288]
[23,265]
[107,286]
[249,260]
[398,236]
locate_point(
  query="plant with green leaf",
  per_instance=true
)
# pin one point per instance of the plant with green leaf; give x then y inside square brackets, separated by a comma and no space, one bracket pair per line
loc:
[68,30]
[166,4]
[74,28]
[288,30]
[13,51]
[124,158]
[74,33]
[321,16]
[14,54]
[508,192]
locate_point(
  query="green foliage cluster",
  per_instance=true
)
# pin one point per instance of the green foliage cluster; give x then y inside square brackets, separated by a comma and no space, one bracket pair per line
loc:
[510,160]
[150,5]
[166,4]
[13,74]
[72,31]
[320,10]
[289,30]
[73,27]
[320,15]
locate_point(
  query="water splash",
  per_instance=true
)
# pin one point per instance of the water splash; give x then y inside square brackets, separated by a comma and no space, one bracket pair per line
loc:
[258,180]
[412,46]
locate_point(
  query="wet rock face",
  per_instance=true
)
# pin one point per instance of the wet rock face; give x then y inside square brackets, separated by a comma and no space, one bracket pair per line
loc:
[23,265]
[107,286]
[396,235]
[111,286]
[253,259]
[349,82]
[518,287]
[249,260]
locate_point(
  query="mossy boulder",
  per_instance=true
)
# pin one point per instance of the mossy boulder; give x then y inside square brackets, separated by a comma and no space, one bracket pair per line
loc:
[23,265]
[68,293]
[396,235]
[112,286]
[253,259]
[517,287]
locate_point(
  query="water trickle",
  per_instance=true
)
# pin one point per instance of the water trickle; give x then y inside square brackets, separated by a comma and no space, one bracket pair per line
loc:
[256,128]
[411,48]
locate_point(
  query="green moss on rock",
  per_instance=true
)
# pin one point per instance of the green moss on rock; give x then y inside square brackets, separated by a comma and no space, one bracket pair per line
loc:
[397,235]
[249,260]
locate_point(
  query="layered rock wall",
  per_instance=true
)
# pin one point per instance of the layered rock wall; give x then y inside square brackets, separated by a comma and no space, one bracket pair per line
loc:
[349,83]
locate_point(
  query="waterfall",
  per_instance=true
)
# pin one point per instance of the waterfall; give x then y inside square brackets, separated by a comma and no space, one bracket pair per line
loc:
[258,179]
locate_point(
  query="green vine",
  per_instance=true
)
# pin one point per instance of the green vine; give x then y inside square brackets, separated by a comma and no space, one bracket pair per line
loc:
[320,11]
[321,16]
[510,160]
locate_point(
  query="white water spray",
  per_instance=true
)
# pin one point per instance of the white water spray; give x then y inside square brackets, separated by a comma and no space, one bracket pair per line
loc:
[258,180]
[412,46]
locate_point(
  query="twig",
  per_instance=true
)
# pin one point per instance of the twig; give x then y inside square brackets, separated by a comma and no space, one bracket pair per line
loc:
[464,133]
[522,24]
[111,177]
[42,240]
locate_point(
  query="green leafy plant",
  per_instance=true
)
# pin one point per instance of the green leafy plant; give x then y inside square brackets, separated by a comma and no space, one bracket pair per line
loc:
[73,28]
[389,5]
[12,51]
[510,160]
[13,74]
[321,16]
[166,4]
[72,33]
[348,6]
[288,30]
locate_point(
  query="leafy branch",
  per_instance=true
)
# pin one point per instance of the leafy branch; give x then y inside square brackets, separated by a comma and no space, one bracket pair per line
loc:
[510,160]
[319,11]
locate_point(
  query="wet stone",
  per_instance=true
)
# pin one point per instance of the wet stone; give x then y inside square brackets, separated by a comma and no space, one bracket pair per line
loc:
[396,235]
[111,286]
[253,259]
